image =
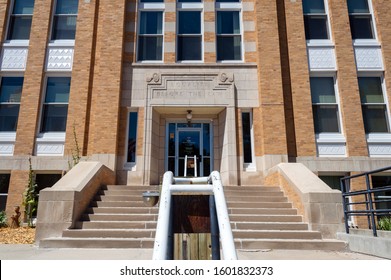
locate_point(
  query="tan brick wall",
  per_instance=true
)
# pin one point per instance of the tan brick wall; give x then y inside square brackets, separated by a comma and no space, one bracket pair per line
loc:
[268,119]
[4,9]
[81,83]
[347,80]
[18,182]
[32,87]
[300,93]
[140,132]
[383,22]
[107,77]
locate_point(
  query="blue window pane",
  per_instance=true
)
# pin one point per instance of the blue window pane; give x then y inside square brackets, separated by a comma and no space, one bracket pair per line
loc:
[150,48]
[326,119]
[11,89]
[64,28]
[228,22]
[370,90]
[228,48]
[189,48]
[358,6]
[375,119]
[58,89]
[315,27]
[132,137]
[361,27]
[189,1]
[222,1]
[4,183]
[19,28]
[23,7]
[151,1]
[67,7]
[151,23]
[313,7]
[9,117]
[54,118]
[322,90]
[189,22]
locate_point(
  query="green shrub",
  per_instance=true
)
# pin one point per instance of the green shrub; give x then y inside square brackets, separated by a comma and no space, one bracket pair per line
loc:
[3,219]
[384,223]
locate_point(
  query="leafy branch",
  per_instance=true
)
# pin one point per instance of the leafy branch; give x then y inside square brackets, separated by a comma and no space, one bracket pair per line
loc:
[30,196]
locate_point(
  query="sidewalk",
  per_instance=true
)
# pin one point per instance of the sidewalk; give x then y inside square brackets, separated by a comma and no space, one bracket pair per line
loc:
[31,252]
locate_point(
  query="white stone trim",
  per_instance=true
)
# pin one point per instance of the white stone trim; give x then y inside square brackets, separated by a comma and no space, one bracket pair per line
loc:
[7,143]
[59,58]
[330,145]
[13,57]
[368,57]
[379,144]
[50,144]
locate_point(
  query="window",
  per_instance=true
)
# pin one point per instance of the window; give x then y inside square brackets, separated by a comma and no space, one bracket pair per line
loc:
[229,38]
[10,94]
[4,185]
[132,137]
[55,107]
[333,182]
[44,181]
[20,20]
[324,105]
[373,105]
[360,19]
[247,138]
[150,38]
[189,40]
[315,20]
[64,20]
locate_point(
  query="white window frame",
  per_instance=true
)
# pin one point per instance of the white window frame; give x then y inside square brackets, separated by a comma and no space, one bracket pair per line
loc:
[226,7]
[330,137]
[150,7]
[131,166]
[322,42]
[190,7]
[60,42]
[378,137]
[14,43]
[248,166]
[368,42]
[51,136]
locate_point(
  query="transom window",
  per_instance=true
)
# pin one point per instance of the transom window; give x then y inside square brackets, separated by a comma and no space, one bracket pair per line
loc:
[229,38]
[64,20]
[10,94]
[315,20]
[189,40]
[20,20]
[55,107]
[324,105]
[150,38]
[360,19]
[373,103]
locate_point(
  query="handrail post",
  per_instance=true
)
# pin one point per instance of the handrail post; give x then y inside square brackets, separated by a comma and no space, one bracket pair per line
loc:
[195,166]
[371,205]
[185,167]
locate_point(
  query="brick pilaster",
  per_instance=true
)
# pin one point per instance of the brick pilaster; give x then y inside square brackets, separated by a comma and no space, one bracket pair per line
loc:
[4,10]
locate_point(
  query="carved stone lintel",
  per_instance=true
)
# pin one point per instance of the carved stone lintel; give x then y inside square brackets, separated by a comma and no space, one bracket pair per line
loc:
[226,78]
[154,78]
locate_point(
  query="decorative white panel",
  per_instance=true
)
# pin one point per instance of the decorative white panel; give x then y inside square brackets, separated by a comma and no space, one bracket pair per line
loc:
[331,149]
[368,57]
[6,148]
[13,58]
[321,58]
[379,150]
[49,149]
[59,59]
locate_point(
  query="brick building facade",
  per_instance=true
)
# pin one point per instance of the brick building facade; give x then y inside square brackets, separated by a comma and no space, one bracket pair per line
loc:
[242,85]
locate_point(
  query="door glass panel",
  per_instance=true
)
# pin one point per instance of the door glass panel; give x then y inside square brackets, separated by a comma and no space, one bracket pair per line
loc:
[206,139]
[171,140]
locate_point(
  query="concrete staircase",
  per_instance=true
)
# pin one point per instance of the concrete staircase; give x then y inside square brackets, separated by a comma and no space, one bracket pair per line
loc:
[261,218]
[117,218]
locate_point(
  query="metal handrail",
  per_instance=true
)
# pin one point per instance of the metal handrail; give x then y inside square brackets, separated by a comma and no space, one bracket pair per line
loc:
[164,223]
[370,211]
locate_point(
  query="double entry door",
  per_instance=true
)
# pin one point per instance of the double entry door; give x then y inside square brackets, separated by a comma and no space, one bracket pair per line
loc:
[189,140]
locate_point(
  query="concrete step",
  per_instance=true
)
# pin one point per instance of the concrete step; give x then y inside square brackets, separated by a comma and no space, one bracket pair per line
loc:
[269,225]
[130,188]
[290,244]
[252,188]
[119,217]
[122,192]
[256,199]
[109,233]
[118,198]
[243,204]
[122,243]
[263,211]
[117,204]
[229,193]
[122,210]
[276,234]
[116,225]
[265,218]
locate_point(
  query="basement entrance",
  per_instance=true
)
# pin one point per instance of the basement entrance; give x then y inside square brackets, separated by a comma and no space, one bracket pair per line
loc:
[194,139]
